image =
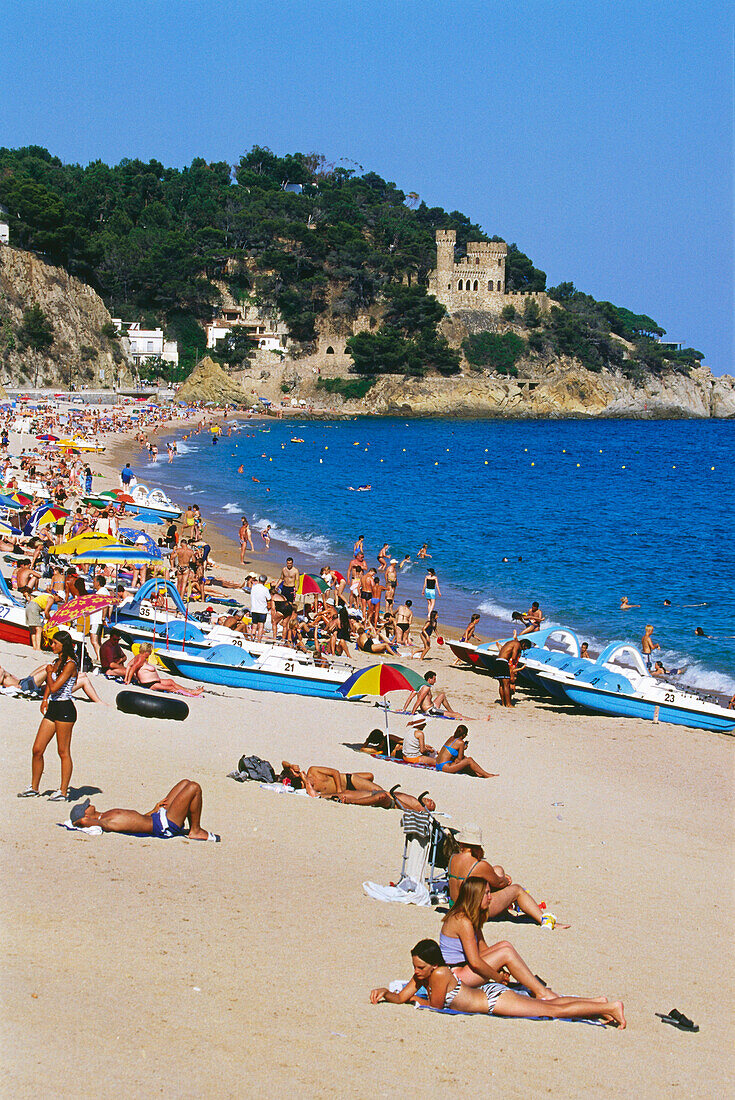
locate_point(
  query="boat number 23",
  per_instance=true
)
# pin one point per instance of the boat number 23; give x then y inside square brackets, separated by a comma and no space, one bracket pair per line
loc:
[669,697]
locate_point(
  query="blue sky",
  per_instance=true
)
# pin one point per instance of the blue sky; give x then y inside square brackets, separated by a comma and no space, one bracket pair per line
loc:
[599,137]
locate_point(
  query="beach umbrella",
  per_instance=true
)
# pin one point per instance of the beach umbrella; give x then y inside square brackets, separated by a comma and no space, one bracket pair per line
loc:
[311,586]
[78,607]
[48,515]
[143,541]
[86,541]
[379,680]
[48,438]
[113,554]
[20,498]
[8,502]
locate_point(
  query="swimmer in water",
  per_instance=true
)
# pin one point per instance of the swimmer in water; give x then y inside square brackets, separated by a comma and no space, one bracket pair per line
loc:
[625,606]
[423,552]
[584,651]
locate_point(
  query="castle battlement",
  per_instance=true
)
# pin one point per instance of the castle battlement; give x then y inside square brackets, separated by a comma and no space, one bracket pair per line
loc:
[476,280]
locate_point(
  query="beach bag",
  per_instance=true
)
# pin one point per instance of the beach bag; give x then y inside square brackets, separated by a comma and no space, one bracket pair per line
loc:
[252,767]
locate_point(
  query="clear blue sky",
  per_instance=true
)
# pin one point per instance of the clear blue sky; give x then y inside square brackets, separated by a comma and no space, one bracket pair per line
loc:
[597,136]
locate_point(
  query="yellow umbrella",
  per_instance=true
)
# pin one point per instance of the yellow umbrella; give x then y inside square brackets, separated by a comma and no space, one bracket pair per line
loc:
[88,540]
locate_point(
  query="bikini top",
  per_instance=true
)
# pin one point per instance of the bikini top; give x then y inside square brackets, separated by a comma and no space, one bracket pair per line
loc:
[461,878]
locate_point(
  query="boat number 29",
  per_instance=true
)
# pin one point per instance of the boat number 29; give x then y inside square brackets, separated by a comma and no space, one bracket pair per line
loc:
[669,697]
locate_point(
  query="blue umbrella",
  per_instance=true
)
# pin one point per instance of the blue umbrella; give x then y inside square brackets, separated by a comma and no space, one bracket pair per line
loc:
[139,537]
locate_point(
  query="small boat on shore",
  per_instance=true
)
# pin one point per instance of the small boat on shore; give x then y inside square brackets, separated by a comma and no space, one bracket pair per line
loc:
[618,683]
[232,666]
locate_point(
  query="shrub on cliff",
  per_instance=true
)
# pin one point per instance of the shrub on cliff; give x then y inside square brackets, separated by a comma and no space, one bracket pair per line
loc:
[36,330]
[491,351]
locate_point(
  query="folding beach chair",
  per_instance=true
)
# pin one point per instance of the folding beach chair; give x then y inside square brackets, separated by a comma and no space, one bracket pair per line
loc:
[423,854]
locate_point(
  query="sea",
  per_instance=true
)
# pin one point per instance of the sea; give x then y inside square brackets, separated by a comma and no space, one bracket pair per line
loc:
[572,513]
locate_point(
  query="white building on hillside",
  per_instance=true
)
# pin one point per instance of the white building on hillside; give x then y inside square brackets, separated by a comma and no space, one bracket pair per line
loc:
[4,226]
[269,335]
[147,343]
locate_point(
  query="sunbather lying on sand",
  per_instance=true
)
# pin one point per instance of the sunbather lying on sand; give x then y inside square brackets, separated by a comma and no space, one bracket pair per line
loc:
[468,859]
[183,802]
[445,990]
[325,782]
[353,788]
[35,680]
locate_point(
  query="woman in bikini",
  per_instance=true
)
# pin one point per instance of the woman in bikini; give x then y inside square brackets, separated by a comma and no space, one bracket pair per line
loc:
[468,860]
[451,757]
[445,990]
[59,716]
[144,673]
[430,627]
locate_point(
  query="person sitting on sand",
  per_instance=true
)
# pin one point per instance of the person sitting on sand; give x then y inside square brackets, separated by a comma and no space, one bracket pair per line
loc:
[468,860]
[451,757]
[465,950]
[376,744]
[445,990]
[375,643]
[112,657]
[140,669]
[430,704]
[414,749]
[166,820]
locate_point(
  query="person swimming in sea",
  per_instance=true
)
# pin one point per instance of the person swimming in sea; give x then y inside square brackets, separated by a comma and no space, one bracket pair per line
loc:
[625,606]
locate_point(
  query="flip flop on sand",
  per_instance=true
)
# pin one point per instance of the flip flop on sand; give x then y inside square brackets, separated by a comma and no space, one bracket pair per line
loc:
[678,1019]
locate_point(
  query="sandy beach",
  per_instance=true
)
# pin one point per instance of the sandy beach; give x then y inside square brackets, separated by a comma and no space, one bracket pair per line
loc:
[243,968]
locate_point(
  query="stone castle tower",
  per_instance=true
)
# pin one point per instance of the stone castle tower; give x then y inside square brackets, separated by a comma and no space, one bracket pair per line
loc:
[477,281]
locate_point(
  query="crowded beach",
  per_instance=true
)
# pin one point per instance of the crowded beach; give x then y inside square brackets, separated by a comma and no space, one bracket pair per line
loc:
[487,786]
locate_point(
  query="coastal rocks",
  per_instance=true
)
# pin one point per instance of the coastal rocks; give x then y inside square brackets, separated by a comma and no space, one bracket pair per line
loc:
[290,379]
[209,382]
[80,353]
[565,389]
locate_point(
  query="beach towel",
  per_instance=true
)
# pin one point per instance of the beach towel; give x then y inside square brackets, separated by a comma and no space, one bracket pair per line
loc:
[90,830]
[407,892]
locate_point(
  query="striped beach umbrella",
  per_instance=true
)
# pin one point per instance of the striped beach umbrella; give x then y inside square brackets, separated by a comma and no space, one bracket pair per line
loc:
[379,680]
[113,554]
[311,586]
[86,541]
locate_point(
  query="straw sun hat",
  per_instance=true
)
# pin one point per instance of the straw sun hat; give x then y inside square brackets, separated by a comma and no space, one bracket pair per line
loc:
[470,835]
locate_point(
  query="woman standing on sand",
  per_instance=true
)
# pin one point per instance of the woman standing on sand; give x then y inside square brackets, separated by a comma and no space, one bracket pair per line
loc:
[431,590]
[59,716]
[429,628]
[444,990]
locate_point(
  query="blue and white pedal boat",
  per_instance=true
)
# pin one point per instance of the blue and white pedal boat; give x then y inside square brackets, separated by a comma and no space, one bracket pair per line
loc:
[232,666]
[618,683]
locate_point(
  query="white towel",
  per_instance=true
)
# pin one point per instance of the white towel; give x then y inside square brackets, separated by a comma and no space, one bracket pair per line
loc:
[407,892]
[90,830]
[280,788]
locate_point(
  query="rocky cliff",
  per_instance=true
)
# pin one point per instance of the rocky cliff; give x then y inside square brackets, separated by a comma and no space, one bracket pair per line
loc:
[568,391]
[80,353]
[209,382]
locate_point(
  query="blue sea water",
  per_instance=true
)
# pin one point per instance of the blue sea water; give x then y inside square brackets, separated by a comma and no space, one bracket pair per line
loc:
[586,511]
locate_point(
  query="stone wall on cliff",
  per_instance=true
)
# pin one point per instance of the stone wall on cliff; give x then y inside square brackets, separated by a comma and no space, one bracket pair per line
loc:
[80,354]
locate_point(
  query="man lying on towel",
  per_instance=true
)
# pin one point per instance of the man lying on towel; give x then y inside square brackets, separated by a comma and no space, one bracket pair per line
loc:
[167,818]
[353,788]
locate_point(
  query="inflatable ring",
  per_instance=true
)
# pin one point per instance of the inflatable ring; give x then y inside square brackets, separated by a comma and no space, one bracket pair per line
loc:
[152,705]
